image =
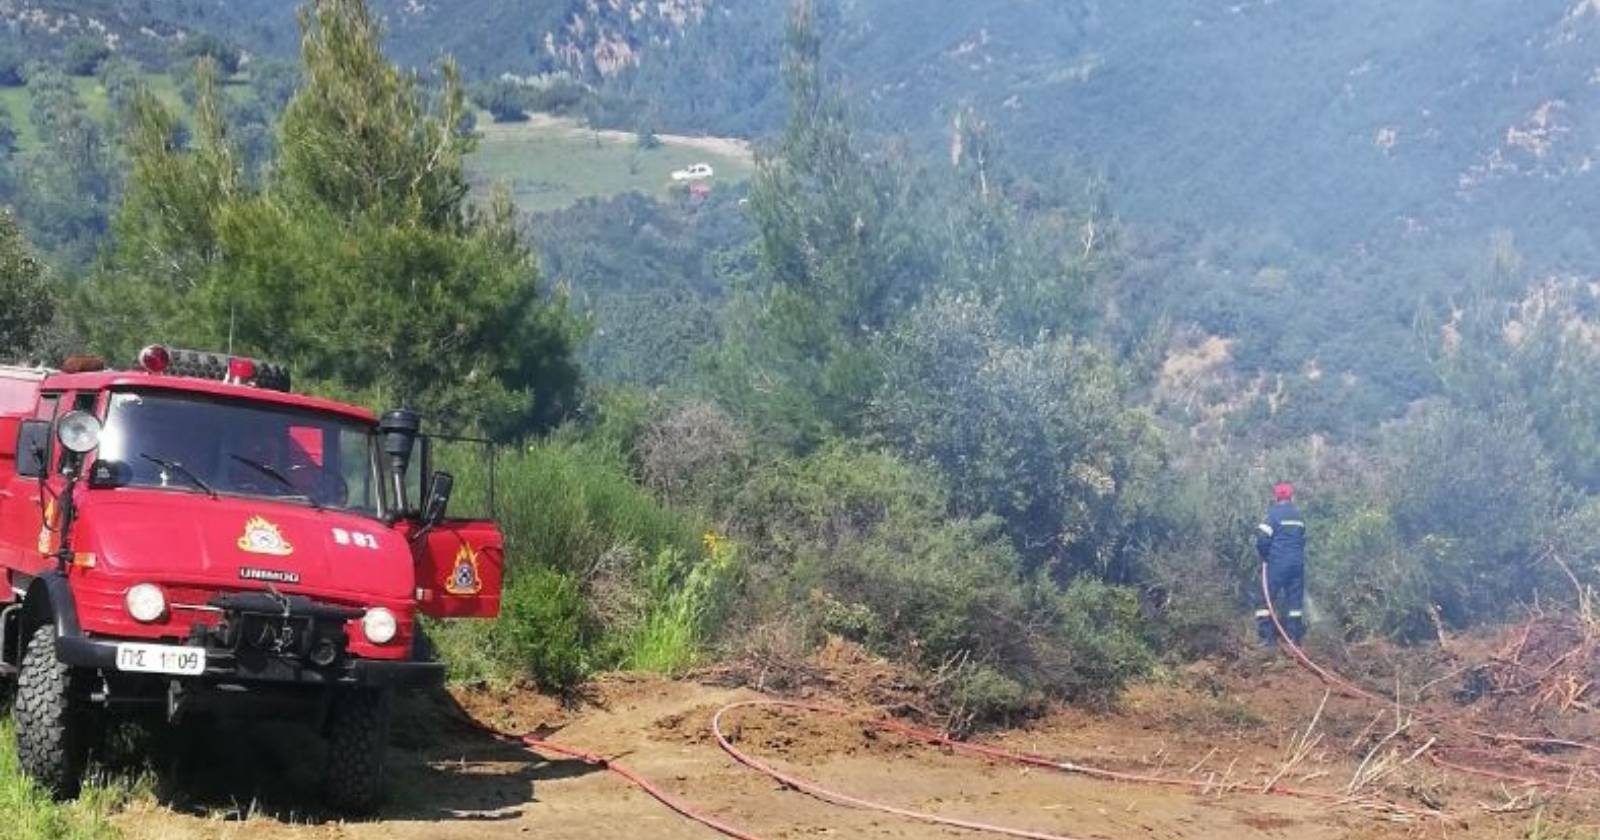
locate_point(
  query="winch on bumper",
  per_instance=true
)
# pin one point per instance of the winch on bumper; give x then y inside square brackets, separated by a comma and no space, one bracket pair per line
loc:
[265,639]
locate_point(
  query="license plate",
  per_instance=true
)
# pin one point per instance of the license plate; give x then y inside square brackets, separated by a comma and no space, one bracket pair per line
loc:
[161,659]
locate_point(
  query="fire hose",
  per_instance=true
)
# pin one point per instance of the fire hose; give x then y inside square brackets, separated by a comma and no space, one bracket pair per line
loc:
[929,736]
[678,806]
[920,734]
[1350,688]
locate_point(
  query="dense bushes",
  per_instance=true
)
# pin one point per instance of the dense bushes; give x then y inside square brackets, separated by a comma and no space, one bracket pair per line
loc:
[13,67]
[503,99]
[1038,434]
[859,543]
[599,574]
[1451,531]
[849,541]
[30,301]
[862,534]
[83,56]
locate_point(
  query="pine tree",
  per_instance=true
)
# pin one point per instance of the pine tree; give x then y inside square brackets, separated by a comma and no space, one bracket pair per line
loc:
[841,255]
[29,300]
[360,259]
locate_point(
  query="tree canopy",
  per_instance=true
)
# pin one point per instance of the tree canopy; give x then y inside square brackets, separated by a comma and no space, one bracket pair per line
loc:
[358,258]
[29,298]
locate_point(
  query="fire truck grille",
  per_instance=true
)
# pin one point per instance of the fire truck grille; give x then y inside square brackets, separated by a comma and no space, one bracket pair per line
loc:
[293,627]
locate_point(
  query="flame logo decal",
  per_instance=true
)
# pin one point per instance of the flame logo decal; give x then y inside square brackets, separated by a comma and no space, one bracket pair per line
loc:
[464,578]
[263,537]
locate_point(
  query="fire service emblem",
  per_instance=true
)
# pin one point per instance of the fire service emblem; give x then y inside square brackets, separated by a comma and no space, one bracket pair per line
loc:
[263,537]
[464,578]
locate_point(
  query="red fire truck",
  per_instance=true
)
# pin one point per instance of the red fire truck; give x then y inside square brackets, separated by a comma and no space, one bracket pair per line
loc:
[188,537]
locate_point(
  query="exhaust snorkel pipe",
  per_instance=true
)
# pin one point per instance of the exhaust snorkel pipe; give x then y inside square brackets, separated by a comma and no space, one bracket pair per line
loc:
[399,429]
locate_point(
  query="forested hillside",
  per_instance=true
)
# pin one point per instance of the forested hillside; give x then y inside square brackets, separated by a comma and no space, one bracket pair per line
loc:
[1304,183]
[986,367]
[1328,126]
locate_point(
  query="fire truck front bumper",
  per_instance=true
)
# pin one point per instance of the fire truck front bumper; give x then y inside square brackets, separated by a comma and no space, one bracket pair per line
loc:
[245,668]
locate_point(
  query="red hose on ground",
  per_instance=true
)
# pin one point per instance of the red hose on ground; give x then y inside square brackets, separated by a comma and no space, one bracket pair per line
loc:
[837,798]
[632,777]
[645,785]
[932,737]
[915,733]
[1502,776]
[1350,688]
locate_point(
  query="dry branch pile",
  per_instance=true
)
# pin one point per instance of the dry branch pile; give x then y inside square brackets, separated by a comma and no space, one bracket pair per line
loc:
[1550,659]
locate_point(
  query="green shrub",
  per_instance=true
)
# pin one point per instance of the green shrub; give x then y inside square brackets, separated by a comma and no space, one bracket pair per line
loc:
[505,100]
[565,503]
[206,45]
[982,695]
[543,628]
[83,56]
[560,95]
[1369,579]
[856,622]
[1038,434]
[1104,642]
[866,543]
[13,67]
[686,599]
[599,574]
[1450,536]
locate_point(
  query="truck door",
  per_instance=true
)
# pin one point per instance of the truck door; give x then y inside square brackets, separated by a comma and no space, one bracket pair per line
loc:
[459,568]
[20,504]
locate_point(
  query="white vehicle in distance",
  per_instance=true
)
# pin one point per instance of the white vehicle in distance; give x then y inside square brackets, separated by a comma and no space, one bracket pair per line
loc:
[697,172]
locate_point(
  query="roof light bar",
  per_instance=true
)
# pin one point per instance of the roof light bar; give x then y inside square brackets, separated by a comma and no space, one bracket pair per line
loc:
[235,370]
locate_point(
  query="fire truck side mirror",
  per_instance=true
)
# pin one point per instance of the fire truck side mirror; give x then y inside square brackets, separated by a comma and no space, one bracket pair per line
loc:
[439,489]
[106,474]
[33,448]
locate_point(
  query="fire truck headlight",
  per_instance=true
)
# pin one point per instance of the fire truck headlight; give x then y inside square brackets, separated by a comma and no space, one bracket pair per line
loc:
[79,432]
[379,625]
[146,602]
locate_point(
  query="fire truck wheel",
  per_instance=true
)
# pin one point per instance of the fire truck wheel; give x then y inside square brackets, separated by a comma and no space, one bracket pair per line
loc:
[358,736]
[51,718]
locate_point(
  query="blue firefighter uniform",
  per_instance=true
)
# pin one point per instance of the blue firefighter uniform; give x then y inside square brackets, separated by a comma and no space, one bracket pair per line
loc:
[1281,542]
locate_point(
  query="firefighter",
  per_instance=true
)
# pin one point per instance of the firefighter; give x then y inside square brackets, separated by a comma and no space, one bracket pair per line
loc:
[1281,542]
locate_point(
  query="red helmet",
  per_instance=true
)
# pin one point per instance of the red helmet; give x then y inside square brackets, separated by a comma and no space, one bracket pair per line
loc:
[1283,491]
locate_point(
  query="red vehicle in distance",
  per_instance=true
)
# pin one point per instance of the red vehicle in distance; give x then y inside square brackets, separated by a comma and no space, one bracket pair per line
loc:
[191,538]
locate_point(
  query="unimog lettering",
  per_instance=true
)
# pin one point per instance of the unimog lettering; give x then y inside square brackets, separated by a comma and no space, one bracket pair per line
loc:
[272,575]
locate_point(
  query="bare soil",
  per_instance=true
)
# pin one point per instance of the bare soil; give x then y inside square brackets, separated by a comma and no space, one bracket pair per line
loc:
[1236,724]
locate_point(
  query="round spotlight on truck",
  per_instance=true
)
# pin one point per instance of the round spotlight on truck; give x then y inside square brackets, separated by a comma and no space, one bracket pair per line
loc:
[79,432]
[379,625]
[146,602]
[155,359]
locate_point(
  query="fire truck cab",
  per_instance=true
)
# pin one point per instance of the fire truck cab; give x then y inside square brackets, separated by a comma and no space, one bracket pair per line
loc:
[190,537]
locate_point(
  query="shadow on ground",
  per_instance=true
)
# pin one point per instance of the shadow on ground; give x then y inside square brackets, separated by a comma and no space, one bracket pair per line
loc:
[439,767]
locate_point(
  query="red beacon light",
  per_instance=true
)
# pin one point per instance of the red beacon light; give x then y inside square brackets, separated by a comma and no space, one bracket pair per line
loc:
[155,359]
[240,370]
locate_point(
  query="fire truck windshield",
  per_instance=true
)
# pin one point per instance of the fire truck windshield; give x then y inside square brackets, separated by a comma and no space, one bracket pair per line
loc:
[194,443]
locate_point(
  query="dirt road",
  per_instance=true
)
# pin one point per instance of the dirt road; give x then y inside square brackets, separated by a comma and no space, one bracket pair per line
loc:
[453,783]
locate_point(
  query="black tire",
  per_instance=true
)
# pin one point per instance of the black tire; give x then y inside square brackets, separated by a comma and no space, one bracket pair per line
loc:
[53,729]
[358,738]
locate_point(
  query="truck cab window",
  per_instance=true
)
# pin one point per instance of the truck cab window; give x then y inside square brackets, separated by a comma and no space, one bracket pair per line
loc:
[191,443]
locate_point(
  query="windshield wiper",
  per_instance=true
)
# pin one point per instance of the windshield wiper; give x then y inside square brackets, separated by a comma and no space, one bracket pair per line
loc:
[180,469]
[273,473]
